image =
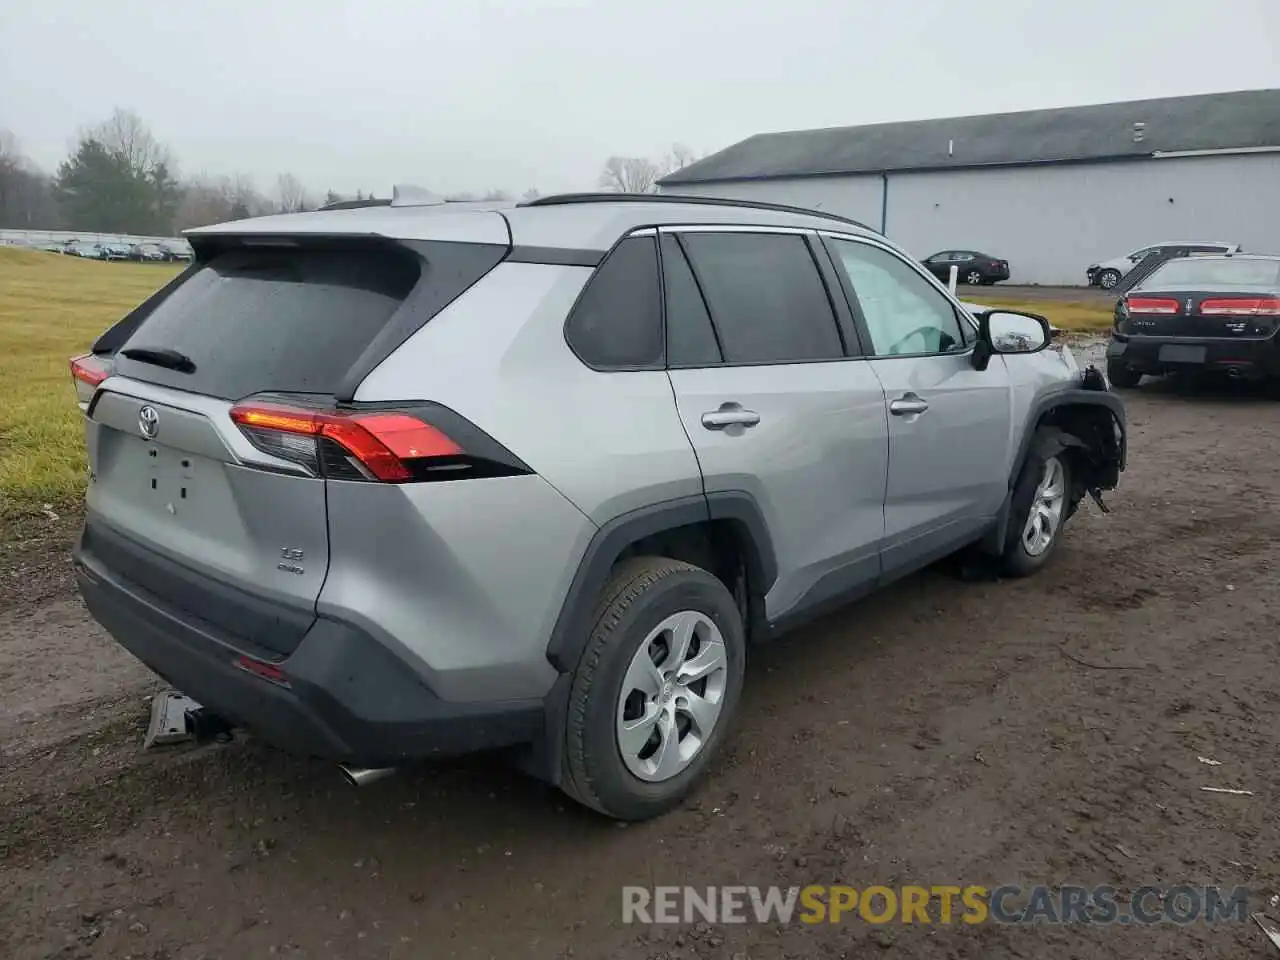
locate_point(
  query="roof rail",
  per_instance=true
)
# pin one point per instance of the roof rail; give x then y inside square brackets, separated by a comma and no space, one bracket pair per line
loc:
[354,204]
[560,199]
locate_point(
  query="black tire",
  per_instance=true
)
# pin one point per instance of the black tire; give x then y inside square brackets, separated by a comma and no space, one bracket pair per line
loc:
[974,278]
[1122,376]
[1108,279]
[1015,560]
[642,592]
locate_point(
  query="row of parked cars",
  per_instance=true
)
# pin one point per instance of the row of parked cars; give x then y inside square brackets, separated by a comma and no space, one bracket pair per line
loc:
[146,251]
[975,267]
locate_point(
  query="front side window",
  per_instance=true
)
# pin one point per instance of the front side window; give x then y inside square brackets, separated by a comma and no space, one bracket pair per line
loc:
[766,298]
[904,313]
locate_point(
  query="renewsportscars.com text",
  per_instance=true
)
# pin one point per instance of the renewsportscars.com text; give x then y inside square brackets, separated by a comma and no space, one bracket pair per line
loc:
[938,904]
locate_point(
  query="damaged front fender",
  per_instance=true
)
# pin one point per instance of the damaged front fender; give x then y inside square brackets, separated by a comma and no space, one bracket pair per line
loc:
[1085,419]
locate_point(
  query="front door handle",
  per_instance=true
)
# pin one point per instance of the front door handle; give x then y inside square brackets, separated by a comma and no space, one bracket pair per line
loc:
[730,415]
[907,405]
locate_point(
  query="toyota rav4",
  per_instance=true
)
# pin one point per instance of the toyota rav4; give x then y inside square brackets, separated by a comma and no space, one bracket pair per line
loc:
[408,480]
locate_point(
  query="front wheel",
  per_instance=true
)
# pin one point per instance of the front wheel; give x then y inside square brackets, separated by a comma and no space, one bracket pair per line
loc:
[1108,279]
[1121,375]
[654,695]
[1040,510]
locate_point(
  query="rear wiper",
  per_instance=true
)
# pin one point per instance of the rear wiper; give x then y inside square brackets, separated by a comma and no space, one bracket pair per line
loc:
[161,357]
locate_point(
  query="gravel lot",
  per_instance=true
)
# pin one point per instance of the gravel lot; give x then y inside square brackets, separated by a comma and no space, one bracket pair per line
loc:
[941,732]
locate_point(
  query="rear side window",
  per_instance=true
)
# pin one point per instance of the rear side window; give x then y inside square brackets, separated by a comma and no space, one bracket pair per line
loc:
[617,322]
[766,297]
[288,320]
[691,340]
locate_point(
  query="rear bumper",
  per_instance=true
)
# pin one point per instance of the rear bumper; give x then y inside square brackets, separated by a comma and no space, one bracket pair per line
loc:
[347,697]
[1157,355]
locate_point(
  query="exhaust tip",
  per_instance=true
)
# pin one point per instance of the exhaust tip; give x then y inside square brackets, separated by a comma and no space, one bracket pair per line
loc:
[363,776]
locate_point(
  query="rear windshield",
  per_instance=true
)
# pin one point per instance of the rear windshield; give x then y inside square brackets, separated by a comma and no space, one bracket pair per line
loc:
[1205,274]
[288,320]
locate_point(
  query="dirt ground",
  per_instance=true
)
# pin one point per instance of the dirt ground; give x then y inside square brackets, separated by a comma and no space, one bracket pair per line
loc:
[941,732]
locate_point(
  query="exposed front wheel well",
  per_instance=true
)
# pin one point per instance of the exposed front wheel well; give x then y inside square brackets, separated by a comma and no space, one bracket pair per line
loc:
[1091,442]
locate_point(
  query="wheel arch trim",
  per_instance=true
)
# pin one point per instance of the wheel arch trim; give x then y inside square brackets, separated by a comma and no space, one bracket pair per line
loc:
[570,633]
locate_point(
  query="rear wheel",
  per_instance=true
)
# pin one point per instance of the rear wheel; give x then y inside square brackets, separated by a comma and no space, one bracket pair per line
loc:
[1108,279]
[1121,375]
[1040,511]
[974,277]
[655,692]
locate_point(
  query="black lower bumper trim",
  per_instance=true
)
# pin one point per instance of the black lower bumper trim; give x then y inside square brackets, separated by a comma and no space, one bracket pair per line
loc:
[1158,355]
[348,698]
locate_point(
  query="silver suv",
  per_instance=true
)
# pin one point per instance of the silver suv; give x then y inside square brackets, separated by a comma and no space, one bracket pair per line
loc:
[403,481]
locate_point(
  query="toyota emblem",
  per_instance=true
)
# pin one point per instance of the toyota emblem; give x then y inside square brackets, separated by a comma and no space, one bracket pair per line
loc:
[149,421]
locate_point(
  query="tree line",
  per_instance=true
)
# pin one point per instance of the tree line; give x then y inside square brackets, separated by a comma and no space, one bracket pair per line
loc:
[118,178]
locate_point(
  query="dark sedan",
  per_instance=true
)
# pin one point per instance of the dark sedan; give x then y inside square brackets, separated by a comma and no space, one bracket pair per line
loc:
[148,253]
[1199,314]
[972,266]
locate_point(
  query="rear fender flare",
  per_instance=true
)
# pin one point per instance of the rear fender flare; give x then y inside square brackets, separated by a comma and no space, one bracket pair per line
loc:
[571,632]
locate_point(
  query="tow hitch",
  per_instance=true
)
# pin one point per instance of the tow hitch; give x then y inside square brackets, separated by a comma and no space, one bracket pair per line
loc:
[176,718]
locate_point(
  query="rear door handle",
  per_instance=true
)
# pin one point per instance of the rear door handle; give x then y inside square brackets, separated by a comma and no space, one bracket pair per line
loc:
[907,405]
[730,415]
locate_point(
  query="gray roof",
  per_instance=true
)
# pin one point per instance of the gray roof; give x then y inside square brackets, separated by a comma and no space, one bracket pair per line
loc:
[1104,131]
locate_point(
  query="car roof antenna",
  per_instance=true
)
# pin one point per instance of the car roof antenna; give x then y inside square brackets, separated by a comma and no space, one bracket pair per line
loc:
[407,195]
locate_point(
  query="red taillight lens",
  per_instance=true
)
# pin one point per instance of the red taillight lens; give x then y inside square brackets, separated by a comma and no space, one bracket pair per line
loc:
[1241,307]
[89,369]
[1161,305]
[383,443]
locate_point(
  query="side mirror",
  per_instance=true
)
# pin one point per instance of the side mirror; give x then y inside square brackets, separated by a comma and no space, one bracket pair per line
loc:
[1010,332]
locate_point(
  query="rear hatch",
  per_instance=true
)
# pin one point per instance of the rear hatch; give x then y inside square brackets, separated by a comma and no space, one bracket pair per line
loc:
[1200,314]
[194,497]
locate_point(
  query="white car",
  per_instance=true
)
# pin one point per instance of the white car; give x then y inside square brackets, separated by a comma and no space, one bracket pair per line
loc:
[1109,272]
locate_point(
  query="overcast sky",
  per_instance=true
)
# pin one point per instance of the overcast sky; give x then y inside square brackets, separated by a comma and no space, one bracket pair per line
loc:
[470,95]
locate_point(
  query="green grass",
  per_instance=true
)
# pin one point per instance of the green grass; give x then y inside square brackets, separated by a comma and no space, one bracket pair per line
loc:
[51,308]
[1070,315]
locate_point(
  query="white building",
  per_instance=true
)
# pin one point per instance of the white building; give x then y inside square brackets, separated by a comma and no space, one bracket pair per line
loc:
[1051,191]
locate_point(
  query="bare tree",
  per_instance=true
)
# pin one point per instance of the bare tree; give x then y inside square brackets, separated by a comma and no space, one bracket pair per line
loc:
[10,155]
[679,158]
[530,194]
[629,174]
[204,200]
[125,135]
[291,195]
[246,201]
[497,195]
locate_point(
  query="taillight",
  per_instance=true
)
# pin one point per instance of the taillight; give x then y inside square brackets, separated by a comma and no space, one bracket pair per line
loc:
[389,446]
[1162,305]
[90,370]
[1241,307]
[87,372]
